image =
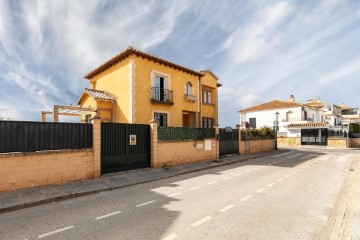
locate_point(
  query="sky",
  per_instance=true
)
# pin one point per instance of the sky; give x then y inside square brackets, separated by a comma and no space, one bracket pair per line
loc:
[260,50]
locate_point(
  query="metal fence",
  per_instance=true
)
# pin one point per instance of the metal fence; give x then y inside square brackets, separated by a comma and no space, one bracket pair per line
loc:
[185,133]
[18,136]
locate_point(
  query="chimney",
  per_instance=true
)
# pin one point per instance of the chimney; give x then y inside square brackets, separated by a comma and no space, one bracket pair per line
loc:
[292,98]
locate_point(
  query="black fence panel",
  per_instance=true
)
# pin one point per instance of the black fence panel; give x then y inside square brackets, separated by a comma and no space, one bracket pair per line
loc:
[124,147]
[354,135]
[228,141]
[19,136]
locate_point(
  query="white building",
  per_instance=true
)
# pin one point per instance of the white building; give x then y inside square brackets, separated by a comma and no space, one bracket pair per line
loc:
[313,119]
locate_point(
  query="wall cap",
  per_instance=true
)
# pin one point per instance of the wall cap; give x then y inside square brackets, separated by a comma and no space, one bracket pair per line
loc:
[20,154]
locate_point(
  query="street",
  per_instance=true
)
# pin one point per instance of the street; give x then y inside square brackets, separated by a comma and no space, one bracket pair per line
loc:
[285,196]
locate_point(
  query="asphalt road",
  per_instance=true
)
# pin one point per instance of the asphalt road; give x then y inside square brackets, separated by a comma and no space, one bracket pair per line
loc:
[286,196]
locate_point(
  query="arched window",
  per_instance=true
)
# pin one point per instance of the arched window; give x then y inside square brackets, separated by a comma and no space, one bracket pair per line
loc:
[188,89]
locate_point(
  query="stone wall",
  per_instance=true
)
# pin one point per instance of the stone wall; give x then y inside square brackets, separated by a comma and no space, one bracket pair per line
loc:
[354,142]
[24,170]
[255,146]
[288,141]
[340,143]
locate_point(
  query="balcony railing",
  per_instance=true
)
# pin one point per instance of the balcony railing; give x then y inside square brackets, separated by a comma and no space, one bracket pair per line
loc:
[297,120]
[161,95]
[190,98]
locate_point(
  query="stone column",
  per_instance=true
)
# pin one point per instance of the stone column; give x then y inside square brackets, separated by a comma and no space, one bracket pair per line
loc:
[154,143]
[217,140]
[96,121]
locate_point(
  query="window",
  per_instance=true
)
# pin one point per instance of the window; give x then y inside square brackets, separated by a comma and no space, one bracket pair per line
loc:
[159,88]
[206,96]
[208,122]
[88,118]
[161,118]
[252,122]
[188,89]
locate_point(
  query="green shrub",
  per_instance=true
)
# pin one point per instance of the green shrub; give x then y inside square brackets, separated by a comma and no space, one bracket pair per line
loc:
[257,134]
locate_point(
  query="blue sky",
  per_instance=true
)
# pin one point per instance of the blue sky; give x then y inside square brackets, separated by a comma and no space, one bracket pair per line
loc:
[260,50]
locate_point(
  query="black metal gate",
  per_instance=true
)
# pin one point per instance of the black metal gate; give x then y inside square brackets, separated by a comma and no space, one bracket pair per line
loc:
[314,136]
[228,141]
[124,147]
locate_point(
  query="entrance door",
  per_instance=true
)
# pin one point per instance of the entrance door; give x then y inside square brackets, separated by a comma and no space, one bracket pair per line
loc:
[314,136]
[228,141]
[124,147]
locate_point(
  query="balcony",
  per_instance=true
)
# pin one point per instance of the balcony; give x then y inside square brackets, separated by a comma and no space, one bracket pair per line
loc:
[190,98]
[297,120]
[162,95]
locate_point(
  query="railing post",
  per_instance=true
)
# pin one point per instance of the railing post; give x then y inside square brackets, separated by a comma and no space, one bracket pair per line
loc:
[96,121]
[217,140]
[154,143]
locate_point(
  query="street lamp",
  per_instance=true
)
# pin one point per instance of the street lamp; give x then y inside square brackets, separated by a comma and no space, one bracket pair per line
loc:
[277,114]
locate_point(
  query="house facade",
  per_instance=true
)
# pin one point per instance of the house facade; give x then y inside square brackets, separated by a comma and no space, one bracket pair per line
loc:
[311,121]
[135,87]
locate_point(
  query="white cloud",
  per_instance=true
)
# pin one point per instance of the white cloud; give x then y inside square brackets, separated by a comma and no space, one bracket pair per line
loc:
[340,73]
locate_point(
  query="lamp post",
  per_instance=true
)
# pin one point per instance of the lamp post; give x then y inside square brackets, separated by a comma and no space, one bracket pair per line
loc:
[276,128]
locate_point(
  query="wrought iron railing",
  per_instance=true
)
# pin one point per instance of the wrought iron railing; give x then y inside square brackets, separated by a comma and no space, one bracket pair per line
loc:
[161,95]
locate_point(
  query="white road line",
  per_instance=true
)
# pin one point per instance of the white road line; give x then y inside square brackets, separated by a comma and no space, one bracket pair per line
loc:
[238,174]
[54,232]
[255,169]
[245,198]
[263,166]
[201,221]
[280,179]
[212,182]
[248,171]
[174,194]
[194,188]
[171,237]
[303,167]
[271,184]
[108,215]
[226,178]
[260,190]
[228,207]
[299,170]
[145,203]
[293,172]
[287,176]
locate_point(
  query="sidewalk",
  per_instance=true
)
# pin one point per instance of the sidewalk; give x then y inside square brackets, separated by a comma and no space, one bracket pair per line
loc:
[11,201]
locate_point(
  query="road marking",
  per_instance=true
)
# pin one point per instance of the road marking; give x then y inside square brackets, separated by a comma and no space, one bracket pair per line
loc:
[293,172]
[303,167]
[287,176]
[226,178]
[255,169]
[248,171]
[145,203]
[228,207]
[299,170]
[238,174]
[263,166]
[201,221]
[56,231]
[171,237]
[271,184]
[108,215]
[280,179]
[260,190]
[245,198]
[174,194]
[212,182]
[194,188]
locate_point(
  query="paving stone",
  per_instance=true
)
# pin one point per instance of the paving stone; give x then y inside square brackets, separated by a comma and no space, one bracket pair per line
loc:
[1,201]
[34,197]
[52,193]
[13,201]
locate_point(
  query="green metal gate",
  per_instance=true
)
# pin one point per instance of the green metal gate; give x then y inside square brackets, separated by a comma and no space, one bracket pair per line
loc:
[228,141]
[124,147]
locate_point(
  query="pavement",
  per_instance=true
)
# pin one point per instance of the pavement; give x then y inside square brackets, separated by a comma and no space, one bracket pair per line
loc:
[15,200]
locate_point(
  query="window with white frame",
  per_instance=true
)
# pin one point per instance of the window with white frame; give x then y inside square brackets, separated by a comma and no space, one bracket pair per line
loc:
[206,96]
[208,122]
[161,118]
[188,89]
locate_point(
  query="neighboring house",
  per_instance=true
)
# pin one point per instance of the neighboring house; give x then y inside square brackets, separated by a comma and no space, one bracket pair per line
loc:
[314,118]
[135,87]
[349,115]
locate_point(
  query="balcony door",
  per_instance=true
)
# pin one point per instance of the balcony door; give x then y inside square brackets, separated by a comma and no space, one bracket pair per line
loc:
[159,88]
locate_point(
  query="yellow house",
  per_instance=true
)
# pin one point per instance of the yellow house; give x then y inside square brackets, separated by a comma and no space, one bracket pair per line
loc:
[135,87]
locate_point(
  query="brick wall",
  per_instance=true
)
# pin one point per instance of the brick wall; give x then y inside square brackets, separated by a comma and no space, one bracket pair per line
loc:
[288,141]
[182,152]
[255,146]
[23,170]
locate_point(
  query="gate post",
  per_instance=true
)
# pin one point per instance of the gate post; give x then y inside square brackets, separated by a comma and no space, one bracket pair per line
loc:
[154,143]
[217,140]
[96,121]
[238,127]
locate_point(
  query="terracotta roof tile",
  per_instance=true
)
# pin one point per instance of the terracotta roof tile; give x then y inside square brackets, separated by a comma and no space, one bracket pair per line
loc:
[274,104]
[130,50]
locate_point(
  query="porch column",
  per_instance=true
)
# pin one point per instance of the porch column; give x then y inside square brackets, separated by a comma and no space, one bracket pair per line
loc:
[56,114]
[217,140]
[96,121]
[154,144]
[238,127]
